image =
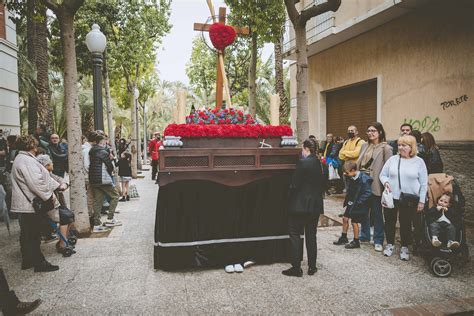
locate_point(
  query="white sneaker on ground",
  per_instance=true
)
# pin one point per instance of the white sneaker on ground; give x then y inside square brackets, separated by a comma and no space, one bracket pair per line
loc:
[112,222]
[435,241]
[388,251]
[378,247]
[453,244]
[404,254]
[238,268]
[248,263]
[100,229]
[229,268]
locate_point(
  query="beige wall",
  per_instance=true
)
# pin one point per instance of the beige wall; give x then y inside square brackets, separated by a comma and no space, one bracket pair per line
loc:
[354,8]
[421,60]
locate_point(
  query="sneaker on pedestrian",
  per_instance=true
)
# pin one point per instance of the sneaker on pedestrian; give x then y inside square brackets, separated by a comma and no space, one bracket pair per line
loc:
[100,229]
[404,254]
[453,244]
[249,263]
[112,222]
[123,199]
[117,211]
[435,241]
[50,238]
[388,251]
[378,247]
[229,268]
[353,245]
[238,268]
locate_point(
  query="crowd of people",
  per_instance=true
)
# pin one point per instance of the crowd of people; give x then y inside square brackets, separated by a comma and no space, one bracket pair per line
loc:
[368,170]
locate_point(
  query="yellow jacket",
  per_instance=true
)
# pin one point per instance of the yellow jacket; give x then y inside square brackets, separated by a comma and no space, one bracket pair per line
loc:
[350,150]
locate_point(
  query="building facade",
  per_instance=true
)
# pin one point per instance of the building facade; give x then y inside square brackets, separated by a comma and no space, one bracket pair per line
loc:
[394,61]
[9,100]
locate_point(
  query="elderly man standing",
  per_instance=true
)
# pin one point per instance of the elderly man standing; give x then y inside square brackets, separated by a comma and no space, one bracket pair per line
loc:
[153,149]
[59,156]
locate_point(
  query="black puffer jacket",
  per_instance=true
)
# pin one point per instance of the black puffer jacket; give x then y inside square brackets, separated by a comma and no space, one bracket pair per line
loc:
[433,161]
[101,167]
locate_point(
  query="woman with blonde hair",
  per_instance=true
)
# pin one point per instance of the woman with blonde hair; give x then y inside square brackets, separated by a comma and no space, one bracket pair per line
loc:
[406,177]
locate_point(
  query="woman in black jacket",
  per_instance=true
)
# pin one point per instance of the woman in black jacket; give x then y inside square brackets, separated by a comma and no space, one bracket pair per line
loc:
[432,158]
[306,204]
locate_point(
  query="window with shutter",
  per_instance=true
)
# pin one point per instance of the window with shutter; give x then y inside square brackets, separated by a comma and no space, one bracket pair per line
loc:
[355,105]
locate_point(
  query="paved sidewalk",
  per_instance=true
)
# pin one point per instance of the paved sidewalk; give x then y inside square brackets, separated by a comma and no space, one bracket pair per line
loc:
[115,275]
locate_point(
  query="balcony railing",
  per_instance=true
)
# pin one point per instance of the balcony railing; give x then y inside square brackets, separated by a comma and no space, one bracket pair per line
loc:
[314,27]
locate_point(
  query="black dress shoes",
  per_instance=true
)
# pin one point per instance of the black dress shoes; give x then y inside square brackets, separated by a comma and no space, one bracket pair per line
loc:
[312,271]
[293,272]
[24,308]
[46,267]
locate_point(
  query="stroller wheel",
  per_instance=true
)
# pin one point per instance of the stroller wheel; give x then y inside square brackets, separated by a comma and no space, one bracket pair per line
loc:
[441,267]
[72,240]
[67,252]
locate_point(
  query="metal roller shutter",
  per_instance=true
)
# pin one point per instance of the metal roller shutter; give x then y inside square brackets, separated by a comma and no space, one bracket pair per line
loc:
[355,105]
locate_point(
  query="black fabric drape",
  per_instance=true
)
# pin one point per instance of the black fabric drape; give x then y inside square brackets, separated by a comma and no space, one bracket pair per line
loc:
[196,210]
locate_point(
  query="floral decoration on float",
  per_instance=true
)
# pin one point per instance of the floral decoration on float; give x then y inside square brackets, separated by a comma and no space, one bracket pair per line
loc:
[225,123]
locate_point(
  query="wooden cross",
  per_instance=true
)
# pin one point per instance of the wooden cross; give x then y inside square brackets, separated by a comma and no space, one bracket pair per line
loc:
[220,55]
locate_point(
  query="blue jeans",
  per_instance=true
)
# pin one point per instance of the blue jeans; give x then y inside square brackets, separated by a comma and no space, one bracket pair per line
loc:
[376,212]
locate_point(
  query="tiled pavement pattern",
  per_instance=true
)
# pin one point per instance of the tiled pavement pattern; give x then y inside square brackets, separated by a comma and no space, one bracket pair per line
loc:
[115,275]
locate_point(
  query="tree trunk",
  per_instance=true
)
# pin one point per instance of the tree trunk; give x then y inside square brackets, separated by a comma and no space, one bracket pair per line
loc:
[134,142]
[280,83]
[43,95]
[73,117]
[30,42]
[302,123]
[108,106]
[253,76]
[139,139]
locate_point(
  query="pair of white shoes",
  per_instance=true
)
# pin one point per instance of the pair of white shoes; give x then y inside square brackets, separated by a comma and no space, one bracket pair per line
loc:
[451,244]
[231,268]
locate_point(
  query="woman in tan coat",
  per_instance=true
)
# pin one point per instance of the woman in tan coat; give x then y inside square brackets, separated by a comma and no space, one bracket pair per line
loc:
[29,180]
[373,156]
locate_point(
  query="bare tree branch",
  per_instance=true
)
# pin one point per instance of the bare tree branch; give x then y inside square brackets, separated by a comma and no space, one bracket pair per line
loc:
[51,5]
[73,5]
[292,11]
[330,5]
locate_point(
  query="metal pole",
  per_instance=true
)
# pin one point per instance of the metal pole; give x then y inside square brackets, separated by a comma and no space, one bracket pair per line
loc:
[97,91]
[145,149]
[139,140]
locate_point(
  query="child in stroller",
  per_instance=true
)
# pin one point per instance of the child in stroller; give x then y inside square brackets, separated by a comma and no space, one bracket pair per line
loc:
[443,219]
[445,202]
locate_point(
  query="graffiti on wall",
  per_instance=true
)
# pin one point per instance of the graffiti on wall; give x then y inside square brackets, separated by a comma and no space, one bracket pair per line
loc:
[427,124]
[447,104]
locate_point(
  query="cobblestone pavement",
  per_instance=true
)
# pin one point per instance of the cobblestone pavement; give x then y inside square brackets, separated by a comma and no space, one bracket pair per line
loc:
[115,275]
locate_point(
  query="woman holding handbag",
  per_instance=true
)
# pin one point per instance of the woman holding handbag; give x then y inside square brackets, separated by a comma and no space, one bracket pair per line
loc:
[306,204]
[373,155]
[31,184]
[406,177]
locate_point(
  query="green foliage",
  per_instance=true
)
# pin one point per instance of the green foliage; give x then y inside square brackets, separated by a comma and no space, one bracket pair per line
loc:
[264,17]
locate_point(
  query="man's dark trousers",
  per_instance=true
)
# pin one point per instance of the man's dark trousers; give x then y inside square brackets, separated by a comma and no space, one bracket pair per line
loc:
[154,169]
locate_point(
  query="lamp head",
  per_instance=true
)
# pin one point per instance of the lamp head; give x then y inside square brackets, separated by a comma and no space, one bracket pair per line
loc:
[95,40]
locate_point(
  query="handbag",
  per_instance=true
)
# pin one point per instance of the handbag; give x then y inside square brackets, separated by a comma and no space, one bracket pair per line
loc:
[40,206]
[387,199]
[133,191]
[406,199]
[333,174]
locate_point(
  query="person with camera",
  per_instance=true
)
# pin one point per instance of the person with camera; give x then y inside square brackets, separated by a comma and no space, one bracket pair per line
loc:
[32,186]
[404,175]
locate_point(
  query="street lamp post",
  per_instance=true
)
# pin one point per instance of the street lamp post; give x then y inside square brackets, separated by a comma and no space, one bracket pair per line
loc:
[145,148]
[96,43]
[137,120]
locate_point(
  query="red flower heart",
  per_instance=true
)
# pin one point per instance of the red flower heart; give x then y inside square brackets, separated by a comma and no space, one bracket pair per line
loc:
[221,35]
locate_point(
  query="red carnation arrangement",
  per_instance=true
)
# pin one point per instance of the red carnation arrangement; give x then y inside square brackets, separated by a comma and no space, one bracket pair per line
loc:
[227,131]
[221,35]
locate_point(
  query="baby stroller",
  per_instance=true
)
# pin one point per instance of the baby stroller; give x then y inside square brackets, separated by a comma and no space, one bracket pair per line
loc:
[440,259]
[63,216]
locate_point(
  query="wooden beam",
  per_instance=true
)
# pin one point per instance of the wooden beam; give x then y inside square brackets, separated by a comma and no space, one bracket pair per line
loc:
[205,27]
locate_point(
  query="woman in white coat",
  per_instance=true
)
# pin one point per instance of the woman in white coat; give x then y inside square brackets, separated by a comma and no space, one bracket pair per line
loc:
[30,180]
